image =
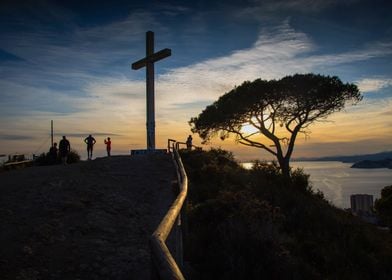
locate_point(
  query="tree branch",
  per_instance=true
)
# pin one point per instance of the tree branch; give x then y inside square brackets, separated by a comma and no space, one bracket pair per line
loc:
[247,142]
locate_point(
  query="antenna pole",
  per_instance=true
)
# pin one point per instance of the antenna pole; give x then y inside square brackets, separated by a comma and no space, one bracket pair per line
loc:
[51,132]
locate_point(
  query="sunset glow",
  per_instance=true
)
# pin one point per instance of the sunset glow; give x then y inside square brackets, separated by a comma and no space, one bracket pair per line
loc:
[64,63]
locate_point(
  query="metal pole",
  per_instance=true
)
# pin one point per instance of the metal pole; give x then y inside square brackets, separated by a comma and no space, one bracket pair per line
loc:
[51,132]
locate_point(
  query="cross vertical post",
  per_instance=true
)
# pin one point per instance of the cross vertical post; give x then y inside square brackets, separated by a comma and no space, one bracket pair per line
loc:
[150,92]
[148,62]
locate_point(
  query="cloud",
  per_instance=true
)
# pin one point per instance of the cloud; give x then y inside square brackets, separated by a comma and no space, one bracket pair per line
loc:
[183,92]
[95,134]
[373,84]
[79,55]
[84,80]
[374,50]
[277,52]
[260,9]
[6,56]
[15,137]
[271,56]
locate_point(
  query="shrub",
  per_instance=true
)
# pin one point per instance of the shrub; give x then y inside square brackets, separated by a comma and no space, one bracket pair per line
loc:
[73,157]
[46,159]
[383,206]
[236,236]
[253,224]
[213,171]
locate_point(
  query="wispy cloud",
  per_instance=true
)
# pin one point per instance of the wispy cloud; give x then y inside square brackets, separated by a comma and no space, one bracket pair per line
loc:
[15,137]
[84,80]
[373,84]
[374,50]
[263,8]
[272,55]
[95,134]
[277,52]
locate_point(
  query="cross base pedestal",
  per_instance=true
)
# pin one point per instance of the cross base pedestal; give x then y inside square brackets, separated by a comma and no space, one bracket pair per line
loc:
[151,151]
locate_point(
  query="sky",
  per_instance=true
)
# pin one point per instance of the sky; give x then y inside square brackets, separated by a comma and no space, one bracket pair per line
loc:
[70,62]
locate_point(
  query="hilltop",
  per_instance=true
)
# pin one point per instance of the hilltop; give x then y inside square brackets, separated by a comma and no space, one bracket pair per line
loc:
[90,220]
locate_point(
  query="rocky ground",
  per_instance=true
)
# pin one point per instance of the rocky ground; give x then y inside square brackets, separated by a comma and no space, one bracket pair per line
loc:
[90,220]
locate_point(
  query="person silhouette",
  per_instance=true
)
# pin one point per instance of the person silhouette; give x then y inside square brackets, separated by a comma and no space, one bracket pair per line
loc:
[189,142]
[90,141]
[64,149]
[108,145]
[53,153]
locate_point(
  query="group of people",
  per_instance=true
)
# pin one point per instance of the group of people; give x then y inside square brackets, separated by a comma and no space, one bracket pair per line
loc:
[65,148]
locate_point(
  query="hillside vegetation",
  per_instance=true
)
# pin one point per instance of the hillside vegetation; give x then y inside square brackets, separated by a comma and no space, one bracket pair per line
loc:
[250,224]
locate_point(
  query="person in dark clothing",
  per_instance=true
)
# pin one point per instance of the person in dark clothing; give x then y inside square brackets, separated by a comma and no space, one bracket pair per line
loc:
[90,141]
[64,149]
[108,144]
[189,142]
[53,153]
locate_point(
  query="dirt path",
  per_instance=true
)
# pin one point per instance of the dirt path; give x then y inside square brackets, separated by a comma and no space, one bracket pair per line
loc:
[90,220]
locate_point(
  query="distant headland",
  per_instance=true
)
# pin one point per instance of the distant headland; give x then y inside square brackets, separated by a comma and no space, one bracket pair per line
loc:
[384,163]
[377,160]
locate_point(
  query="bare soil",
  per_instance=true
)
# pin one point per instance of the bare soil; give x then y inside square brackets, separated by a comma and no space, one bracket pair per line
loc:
[90,220]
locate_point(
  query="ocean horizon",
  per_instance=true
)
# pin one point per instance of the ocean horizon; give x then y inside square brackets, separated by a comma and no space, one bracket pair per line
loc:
[337,180]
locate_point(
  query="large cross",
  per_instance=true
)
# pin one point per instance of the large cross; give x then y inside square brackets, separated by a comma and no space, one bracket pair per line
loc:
[148,62]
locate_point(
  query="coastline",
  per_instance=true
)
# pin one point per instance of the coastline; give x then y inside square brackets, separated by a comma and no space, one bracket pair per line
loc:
[337,180]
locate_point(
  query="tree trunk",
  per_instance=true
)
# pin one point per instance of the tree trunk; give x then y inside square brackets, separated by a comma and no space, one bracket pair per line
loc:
[285,167]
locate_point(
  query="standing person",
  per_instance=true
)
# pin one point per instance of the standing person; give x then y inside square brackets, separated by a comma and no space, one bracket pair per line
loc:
[189,143]
[90,141]
[53,154]
[108,145]
[64,149]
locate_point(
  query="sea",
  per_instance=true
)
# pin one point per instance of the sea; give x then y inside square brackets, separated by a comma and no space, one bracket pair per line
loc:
[337,181]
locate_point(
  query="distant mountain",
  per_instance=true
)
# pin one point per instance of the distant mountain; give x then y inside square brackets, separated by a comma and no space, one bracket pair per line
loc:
[354,158]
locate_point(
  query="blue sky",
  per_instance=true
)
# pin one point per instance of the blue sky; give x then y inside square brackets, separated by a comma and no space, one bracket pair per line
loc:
[69,61]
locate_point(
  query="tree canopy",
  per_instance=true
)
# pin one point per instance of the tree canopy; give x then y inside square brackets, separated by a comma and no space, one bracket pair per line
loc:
[275,110]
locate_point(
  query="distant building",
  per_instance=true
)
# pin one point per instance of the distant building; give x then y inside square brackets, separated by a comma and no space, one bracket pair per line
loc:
[361,203]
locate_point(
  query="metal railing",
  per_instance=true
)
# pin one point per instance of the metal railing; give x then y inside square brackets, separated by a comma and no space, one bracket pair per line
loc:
[164,266]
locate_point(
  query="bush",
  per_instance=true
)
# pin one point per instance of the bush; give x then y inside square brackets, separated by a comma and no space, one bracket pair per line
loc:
[46,159]
[383,206]
[73,157]
[253,224]
[212,171]
[232,233]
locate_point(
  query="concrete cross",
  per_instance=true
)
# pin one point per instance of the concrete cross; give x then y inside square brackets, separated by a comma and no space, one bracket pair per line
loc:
[148,62]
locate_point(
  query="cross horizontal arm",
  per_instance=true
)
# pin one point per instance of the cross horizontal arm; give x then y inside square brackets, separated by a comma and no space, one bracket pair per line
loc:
[151,58]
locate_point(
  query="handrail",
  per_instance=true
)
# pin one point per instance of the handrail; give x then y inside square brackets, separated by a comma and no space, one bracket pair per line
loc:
[163,264]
